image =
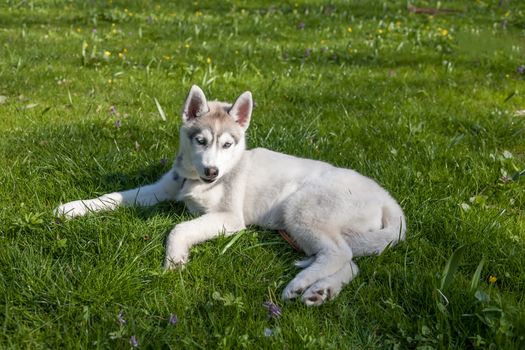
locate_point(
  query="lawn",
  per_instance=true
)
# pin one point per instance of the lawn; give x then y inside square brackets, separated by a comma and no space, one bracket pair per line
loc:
[429,105]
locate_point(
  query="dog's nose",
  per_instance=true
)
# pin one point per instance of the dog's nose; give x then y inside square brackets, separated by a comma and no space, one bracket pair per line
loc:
[211,172]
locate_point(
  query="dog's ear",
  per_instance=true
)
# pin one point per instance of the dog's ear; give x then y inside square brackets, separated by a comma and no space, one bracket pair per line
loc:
[241,110]
[195,105]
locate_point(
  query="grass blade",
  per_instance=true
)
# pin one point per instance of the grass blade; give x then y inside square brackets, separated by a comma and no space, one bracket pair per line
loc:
[159,108]
[477,274]
[451,267]
[232,242]
[516,176]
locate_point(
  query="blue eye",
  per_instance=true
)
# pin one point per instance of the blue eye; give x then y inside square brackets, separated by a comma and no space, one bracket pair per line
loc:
[227,145]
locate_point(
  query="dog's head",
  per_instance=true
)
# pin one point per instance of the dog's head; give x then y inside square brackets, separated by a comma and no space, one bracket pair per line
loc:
[212,135]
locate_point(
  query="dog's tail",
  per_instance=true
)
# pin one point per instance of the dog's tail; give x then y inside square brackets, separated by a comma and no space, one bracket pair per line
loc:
[374,242]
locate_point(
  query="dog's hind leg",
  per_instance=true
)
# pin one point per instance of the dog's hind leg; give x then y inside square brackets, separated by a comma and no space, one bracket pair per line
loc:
[331,254]
[329,287]
[327,262]
[164,189]
[309,219]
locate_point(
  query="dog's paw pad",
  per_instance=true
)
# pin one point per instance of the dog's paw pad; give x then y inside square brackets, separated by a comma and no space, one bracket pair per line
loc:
[314,299]
[316,296]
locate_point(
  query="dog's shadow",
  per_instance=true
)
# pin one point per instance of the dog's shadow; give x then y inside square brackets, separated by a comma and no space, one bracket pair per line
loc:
[120,181]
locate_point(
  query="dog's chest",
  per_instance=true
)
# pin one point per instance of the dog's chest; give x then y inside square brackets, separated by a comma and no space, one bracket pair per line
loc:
[200,198]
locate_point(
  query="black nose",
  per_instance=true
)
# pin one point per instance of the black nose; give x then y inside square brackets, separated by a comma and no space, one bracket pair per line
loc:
[211,172]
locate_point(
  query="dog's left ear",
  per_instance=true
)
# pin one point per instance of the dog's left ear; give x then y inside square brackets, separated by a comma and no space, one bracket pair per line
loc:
[241,110]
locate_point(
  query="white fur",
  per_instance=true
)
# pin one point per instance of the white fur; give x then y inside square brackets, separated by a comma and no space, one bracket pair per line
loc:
[333,214]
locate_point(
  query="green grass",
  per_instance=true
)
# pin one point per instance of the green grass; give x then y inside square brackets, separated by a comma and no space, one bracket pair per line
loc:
[425,105]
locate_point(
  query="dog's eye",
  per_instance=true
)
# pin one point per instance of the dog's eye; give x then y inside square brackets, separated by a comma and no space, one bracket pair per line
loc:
[201,141]
[227,145]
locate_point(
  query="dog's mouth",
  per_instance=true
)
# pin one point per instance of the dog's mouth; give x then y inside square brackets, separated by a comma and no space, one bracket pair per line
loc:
[208,181]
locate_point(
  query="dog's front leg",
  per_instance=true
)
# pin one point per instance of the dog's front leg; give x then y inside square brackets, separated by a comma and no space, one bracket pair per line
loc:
[206,227]
[164,189]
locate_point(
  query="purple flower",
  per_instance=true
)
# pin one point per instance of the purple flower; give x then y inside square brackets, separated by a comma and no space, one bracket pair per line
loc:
[121,320]
[113,110]
[300,26]
[274,311]
[118,124]
[133,341]
[174,319]
[163,161]
[94,30]
[521,69]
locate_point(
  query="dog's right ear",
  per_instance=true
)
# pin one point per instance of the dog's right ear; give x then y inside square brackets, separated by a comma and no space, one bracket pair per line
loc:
[195,105]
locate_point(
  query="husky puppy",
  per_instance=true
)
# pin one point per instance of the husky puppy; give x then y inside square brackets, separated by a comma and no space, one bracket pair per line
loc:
[332,214]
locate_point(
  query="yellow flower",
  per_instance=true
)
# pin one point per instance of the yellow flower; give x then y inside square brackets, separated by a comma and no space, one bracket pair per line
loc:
[79,30]
[120,55]
[124,50]
[492,279]
[84,45]
[198,13]
[208,60]
[380,31]
[398,24]
[107,53]
[443,32]
[187,45]
[349,29]
[110,81]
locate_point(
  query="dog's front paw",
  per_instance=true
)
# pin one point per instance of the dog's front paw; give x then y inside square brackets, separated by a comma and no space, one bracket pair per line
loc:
[175,258]
[71,209]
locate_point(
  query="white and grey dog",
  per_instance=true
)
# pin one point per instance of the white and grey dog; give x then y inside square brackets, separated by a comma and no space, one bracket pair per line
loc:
[333,214]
